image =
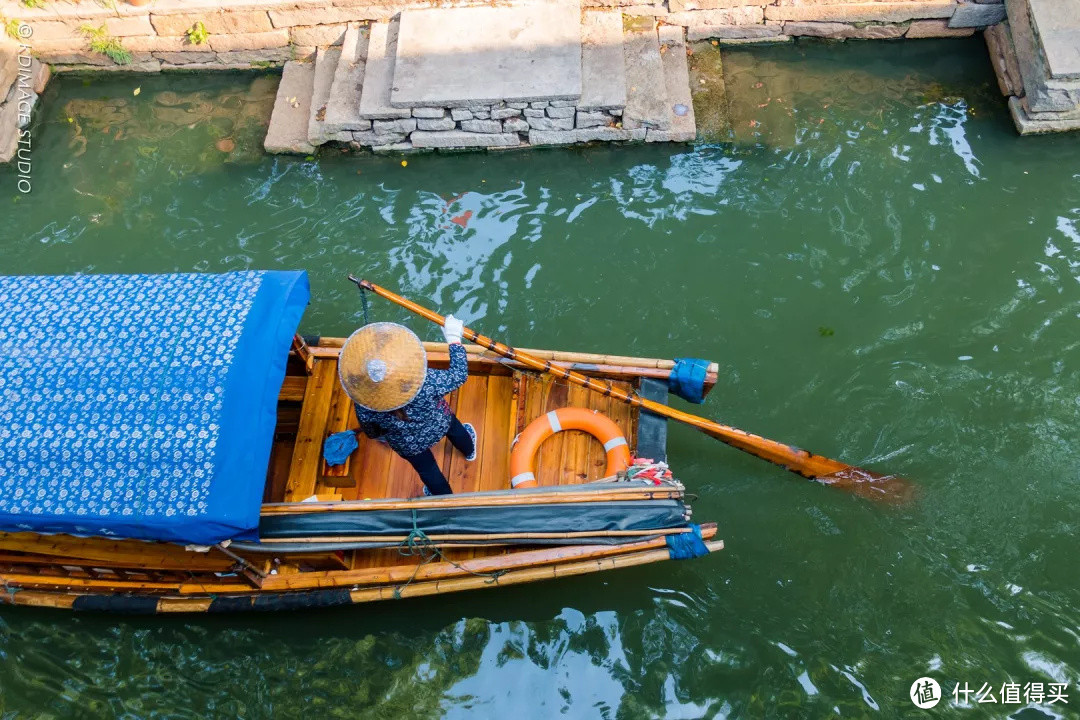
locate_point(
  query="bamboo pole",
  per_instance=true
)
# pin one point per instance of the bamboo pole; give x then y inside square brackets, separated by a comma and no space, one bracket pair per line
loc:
[827,471]
[524,575]
[553,355]
[489,362]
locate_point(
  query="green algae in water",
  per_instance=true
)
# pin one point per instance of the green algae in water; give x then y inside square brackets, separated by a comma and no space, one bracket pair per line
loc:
[709,92]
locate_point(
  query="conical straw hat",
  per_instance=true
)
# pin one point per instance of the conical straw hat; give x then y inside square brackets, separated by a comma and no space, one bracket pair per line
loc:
[382,366]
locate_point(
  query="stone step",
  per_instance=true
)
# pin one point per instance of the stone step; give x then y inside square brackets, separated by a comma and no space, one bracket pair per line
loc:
[343,104]
[1057,23]
[1038,97]
[288,131]
[680,106]
[473,56]
[379,74]
[603,70]
[326,63]
[646,94]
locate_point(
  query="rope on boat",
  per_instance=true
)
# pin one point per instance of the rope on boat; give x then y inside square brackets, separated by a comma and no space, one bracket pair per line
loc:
[364,304]
[417,543]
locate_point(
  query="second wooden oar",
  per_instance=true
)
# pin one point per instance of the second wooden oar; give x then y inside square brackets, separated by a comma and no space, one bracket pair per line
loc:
[827,471]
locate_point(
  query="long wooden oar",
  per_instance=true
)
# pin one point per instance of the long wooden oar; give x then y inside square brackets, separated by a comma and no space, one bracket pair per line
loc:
[827,471]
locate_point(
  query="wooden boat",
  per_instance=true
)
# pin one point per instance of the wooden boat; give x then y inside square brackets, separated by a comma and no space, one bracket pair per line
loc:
[322,535]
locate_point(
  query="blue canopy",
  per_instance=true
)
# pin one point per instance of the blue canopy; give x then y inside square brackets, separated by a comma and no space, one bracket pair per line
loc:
[141,406]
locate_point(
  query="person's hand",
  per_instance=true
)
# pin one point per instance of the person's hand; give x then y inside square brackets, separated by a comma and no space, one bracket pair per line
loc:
[452,329]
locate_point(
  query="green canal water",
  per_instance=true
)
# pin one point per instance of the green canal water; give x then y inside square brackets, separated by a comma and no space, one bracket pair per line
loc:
[885,272]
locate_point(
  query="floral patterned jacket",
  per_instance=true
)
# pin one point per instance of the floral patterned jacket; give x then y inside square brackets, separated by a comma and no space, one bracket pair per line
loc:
[428,414]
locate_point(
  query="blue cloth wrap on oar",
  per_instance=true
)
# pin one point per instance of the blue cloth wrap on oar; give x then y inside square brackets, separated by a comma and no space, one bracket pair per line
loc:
[339,446]
[687,379]
[687,546]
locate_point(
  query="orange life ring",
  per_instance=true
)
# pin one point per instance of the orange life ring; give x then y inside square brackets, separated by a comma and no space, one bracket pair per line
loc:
[601,427]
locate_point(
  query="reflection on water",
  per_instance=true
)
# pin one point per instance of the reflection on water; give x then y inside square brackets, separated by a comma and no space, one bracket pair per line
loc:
[884,271]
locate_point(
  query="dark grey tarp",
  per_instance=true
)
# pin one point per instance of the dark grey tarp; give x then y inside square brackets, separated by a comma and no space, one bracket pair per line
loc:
[541,518]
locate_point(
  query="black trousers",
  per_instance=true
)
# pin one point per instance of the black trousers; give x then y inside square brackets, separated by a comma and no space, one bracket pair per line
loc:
[428,469]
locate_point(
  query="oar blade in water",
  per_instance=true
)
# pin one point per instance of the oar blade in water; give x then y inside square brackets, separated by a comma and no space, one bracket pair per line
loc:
[868,484]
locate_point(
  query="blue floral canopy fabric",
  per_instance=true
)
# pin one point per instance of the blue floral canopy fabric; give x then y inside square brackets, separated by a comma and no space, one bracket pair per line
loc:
[141,406]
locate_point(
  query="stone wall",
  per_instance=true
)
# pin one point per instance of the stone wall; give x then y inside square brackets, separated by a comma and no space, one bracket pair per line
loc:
[243,33]
[22,79]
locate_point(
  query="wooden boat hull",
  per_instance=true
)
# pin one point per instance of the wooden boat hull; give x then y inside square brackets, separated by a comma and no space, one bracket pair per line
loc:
[323,570]
[471,576]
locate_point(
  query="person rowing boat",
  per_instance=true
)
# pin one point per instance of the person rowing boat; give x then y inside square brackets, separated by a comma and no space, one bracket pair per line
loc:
[397,399]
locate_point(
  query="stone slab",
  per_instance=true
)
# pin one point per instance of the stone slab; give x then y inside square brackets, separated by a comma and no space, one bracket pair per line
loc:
[646,103]
[582,135]
[343,102]
[773,40]
[256,57]
[545,123]
[1033,70]
[863,12]
[936,29]
[199,67]
[1002,57]
[9,131]
[974,15]
[684,5]
[603,72]
[1026,125]
[1058,26]
[185,58]
[379,74]
[288,131]
[249,41]
[460,138]
[155,43]
[515,124]
[326,62]
[143,66]
[436,124]
[733,32]
[482,126]
[371,138]
[680,106]
[9,67]
[429,113]
[464,56]
[216,23]
[318,35]
[841,31]
[742,15]
[40,74]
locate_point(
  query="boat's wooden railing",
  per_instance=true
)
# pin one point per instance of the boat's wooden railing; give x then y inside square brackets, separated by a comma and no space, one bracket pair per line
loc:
[620,367]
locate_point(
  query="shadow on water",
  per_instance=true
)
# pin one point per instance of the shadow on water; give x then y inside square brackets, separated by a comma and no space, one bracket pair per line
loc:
[884,271]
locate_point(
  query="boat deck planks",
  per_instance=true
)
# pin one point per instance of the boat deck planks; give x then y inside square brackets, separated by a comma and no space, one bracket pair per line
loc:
[487,401]
[307,452]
